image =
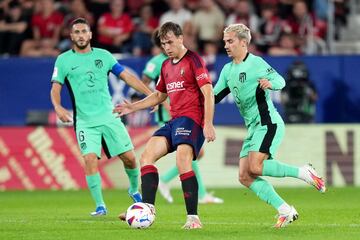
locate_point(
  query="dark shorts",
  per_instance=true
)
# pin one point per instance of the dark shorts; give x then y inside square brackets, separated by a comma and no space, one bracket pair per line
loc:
[182,130]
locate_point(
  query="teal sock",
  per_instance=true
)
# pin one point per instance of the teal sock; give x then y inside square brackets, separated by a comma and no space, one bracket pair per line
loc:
[170,174]
[94,184]
[266,192]
[202,188]
[275,168]
[133,175]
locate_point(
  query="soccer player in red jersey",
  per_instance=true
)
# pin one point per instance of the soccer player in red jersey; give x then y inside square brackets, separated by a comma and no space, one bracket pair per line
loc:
[185,80]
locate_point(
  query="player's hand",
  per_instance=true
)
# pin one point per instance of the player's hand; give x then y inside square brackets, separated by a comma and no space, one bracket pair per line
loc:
[123,108]
[264,83]
[209,132]
[63,114]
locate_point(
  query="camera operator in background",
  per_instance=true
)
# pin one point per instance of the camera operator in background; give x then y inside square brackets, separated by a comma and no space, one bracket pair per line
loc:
[299,95]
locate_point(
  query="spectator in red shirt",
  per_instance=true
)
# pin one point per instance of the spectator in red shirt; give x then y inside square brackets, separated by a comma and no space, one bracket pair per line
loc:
[310,30]
[46,26]
[115,29]
[269,29]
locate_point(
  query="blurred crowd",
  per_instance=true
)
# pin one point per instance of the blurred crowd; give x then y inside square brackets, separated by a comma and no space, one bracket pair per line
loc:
[279,27]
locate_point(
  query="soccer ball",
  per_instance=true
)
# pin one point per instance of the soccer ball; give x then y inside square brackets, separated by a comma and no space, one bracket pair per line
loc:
[140,215]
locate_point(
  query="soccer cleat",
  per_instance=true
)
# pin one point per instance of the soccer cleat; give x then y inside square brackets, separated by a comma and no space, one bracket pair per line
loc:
[136,197]
[313,178]
[165,192]
[210,198]
[100,211]
[192,222]
[285,219]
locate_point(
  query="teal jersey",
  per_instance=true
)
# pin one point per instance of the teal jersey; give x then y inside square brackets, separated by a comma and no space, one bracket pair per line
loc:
[254,104]
[86,76]
[153,66]
[152,70]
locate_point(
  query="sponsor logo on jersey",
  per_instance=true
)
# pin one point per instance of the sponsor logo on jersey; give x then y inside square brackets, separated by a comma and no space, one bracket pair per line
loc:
[236,94]
[90,82]
[242,77]
[175,86]
[270,70]
[201,76]
[98,63]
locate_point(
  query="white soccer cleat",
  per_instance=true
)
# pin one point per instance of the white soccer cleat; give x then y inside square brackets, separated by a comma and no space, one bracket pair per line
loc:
[210,198]
[192,222]
[313,178]
[165,192]
[287,218]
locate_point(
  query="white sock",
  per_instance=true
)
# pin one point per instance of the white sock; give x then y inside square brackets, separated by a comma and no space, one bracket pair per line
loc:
[284,208]
[303,174]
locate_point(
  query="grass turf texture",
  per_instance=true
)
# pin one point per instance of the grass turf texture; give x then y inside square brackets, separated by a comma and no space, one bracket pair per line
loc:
[65,215]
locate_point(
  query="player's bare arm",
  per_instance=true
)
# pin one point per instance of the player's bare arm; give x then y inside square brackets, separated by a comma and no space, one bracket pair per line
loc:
[154,99]
[209,130]
[63,114]
[135,83]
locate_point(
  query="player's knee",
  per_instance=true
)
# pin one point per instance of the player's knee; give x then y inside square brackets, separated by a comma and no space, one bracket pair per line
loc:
[244,179]
[146,159]
[91,166]
[129,162]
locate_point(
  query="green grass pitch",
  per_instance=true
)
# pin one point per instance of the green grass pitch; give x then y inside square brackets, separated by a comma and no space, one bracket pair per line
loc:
[65,215]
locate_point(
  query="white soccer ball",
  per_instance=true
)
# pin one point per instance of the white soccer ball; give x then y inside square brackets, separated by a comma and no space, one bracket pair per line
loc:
[140,215]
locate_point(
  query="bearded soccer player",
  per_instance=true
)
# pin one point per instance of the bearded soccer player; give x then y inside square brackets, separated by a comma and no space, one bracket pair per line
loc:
[185,80]
[85,72]
[250,79]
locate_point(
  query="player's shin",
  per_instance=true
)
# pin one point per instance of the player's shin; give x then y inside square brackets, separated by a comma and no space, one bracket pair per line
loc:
[149,183]
[190,189]
[133,175]
[266,192]
[94,184]
[274,168]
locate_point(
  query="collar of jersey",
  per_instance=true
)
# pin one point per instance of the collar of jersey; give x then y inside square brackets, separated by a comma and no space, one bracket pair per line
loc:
[82,54]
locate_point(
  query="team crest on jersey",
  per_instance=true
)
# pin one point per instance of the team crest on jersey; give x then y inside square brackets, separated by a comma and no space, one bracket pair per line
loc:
[83,146]
[98,63]
[182,72]
[242,77]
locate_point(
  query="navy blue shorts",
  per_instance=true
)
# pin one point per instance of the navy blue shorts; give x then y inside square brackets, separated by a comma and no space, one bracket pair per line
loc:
[182,130]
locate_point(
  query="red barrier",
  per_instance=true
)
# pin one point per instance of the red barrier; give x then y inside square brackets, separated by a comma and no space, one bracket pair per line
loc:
[48,158]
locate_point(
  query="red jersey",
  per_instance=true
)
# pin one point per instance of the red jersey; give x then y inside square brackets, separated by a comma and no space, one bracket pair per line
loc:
[182,82]
[120,25]
[47,25]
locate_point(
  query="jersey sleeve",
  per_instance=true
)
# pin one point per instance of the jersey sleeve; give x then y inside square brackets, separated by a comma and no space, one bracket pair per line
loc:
[160,85]
[201,73]
[267,72]
[115,67]
[221,88]
[59,74]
